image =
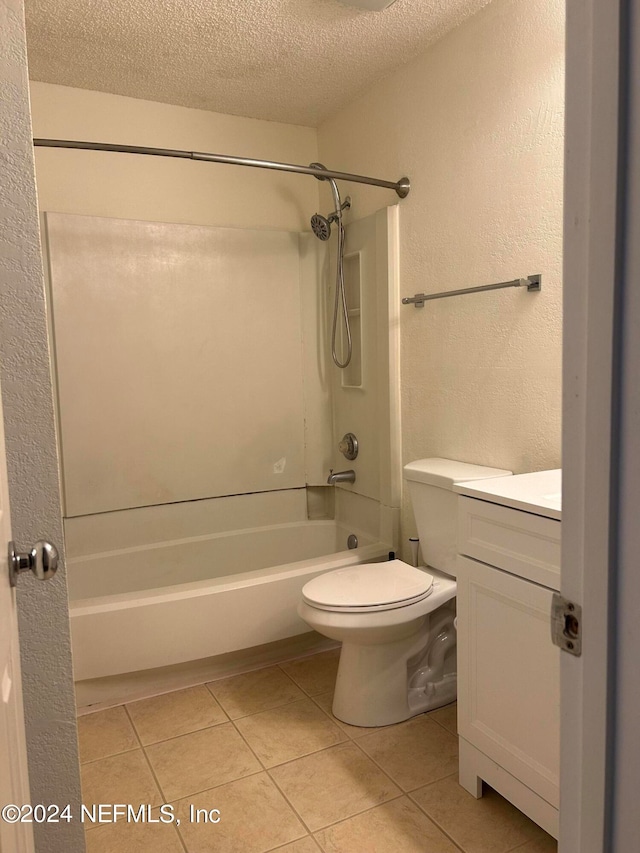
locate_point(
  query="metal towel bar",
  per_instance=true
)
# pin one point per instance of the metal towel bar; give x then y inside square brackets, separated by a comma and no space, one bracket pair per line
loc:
[533,283]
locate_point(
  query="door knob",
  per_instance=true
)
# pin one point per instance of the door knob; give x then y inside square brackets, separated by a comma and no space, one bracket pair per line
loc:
[42,559]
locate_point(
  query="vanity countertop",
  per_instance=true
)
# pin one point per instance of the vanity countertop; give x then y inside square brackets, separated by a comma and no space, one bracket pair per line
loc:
[539,492]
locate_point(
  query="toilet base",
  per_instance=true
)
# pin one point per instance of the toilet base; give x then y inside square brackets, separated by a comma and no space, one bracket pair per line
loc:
[396,681]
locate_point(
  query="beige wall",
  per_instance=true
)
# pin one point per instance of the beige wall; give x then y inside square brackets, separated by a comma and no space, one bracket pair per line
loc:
[477,124]
[162,190]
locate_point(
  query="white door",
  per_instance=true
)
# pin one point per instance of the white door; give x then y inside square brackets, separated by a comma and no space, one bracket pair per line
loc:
[14,784]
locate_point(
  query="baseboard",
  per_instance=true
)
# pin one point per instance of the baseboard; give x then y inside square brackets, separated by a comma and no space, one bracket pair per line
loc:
[96,694]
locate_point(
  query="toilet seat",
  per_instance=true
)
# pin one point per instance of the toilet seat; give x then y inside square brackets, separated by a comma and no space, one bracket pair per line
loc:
[368,588]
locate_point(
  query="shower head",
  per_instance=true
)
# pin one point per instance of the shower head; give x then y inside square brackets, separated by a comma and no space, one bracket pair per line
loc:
[321,227]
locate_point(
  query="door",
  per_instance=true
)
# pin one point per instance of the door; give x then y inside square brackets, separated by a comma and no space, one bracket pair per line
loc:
[14,784]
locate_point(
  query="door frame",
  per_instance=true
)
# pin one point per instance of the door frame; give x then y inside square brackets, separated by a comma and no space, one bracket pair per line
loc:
[593,227]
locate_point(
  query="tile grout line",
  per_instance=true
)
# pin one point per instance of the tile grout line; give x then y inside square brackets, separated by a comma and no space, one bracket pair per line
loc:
[359,814]
[111,755]
[379,766]
[153,774]
[431,782]
[298,685]
[143,748]
[184,734]
[309,754]
[342,819]
[263,710]
[261,769]
[430,817]
[395,782]
[353,737]
[197,793]
[289,803]
[331,717]
[393,800]
[295,841]
[442,725]
[413,790]
[529,840]
[290,677]
[284,705]
[249,747]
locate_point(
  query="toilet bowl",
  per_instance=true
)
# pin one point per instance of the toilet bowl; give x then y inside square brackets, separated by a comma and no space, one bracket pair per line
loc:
[395,635]
[396,622]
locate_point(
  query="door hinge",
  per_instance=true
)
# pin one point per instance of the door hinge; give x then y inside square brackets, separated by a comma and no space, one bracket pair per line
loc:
[566,624]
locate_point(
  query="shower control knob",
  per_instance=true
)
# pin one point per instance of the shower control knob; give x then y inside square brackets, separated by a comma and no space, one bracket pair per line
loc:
[349,446]
[42,559]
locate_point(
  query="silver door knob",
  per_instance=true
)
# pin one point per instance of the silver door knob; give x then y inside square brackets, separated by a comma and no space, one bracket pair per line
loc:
[42,559]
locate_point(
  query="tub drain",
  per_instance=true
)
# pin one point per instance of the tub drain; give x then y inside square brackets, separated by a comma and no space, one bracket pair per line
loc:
[352,541]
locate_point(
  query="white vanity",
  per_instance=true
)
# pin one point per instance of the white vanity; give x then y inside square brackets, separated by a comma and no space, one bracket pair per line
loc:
[508,669]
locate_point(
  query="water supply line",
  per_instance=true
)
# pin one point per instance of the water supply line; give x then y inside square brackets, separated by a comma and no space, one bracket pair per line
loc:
[340,297]
[322,229]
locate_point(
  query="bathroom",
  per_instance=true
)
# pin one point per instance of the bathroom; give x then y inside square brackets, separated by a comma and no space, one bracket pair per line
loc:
[199,409]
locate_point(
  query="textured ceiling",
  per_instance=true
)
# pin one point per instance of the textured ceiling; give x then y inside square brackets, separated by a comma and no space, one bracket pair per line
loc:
[286,60]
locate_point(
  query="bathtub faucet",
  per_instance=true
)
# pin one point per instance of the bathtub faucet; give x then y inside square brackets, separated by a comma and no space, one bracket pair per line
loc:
[341,477]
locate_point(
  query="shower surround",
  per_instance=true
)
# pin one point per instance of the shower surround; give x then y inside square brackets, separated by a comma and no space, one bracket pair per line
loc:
[199,416]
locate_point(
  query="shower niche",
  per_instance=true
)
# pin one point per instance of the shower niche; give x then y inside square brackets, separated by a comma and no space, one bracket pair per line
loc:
[352,373]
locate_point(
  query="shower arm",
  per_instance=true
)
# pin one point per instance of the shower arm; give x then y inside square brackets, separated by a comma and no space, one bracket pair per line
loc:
[401,187]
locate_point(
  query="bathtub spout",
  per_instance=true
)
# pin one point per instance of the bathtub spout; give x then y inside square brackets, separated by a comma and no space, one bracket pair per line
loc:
[341,477]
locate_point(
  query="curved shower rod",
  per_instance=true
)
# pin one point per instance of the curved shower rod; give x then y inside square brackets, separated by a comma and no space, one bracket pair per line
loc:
[401,187]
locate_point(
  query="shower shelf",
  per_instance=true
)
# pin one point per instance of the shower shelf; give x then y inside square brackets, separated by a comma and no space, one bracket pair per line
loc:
[533,283]
[353,312]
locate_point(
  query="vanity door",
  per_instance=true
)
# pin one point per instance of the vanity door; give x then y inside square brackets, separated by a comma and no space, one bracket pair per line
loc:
[509,675]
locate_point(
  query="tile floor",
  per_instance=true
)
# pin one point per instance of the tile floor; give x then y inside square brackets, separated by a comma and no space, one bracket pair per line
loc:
[264,749]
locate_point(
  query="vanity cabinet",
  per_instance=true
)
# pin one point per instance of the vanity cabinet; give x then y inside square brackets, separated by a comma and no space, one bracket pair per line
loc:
[508,668]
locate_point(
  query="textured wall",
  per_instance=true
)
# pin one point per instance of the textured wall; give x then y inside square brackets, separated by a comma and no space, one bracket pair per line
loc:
[158,189]
[31,455]
[477,124]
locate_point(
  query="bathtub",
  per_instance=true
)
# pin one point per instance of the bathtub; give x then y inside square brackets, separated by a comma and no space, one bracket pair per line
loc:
[170,602]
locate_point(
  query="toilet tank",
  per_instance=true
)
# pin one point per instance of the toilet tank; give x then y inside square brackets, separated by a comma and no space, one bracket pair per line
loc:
[435,503]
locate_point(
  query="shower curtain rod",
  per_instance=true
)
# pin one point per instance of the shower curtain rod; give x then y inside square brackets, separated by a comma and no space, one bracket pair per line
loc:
[401,187]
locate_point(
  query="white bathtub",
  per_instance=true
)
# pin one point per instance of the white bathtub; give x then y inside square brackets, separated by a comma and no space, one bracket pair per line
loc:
[166,603]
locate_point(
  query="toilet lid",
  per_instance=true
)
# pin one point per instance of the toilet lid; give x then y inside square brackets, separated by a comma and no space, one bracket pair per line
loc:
[368,586]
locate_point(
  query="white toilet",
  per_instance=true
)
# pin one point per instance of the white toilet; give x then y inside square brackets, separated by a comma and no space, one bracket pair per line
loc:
[396,622]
